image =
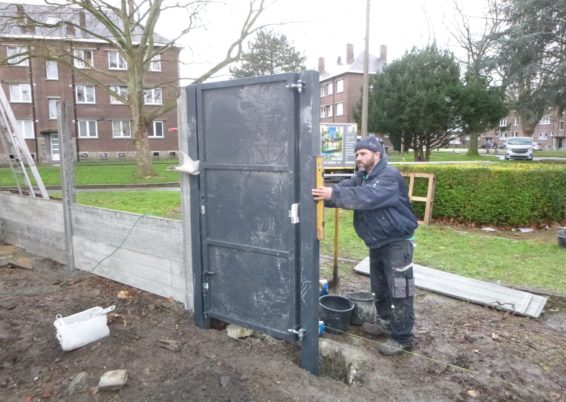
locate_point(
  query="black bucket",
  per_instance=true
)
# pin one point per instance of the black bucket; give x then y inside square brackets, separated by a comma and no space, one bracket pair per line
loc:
[336,311]
[562,237]
[364,307]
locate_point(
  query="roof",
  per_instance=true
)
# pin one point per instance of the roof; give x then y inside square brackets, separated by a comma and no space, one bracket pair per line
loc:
[55,16]
[375,65]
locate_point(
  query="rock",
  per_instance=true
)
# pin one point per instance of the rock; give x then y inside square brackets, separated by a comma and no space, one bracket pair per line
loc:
[79,384]
[22,261]
[224,380]
[341,361]
[113,380]
[237,332]
[8,250]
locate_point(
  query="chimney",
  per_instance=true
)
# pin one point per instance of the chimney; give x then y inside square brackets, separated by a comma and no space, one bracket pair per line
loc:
[321,65]
[82,19]
[70,29]
[20,11]
[349,53]
[383,54]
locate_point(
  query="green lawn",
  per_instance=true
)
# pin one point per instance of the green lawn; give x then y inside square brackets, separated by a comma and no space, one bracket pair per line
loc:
[523,262]
[101,173]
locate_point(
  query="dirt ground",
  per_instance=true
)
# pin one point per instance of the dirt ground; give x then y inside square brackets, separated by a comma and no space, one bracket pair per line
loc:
[463,351]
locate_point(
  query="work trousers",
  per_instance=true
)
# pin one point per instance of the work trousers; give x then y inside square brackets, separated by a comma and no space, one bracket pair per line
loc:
[392,282]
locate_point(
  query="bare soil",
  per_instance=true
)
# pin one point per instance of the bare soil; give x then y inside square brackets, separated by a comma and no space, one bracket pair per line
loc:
[463,351]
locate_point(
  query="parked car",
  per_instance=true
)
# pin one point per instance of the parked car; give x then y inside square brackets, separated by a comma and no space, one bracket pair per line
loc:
[537,146]
[519,148]
[488,145]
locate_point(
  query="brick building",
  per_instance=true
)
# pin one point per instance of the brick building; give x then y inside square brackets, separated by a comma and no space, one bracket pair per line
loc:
[549,132]
[341,84]
[102,127]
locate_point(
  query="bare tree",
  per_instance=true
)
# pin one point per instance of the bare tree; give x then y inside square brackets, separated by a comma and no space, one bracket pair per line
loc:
[479,45]
[129,27]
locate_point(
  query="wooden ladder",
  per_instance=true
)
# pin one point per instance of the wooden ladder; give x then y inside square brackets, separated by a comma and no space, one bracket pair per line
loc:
[429,194]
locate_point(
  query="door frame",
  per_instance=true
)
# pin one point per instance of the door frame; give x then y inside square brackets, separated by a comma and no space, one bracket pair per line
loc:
[307,146]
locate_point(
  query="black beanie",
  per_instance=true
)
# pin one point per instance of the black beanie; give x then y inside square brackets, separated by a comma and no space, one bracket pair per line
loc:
[371,143]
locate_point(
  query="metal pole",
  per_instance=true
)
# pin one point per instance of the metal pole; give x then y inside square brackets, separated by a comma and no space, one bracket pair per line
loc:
[365,92]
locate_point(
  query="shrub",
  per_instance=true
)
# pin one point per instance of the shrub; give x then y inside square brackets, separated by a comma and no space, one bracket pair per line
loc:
[516,194]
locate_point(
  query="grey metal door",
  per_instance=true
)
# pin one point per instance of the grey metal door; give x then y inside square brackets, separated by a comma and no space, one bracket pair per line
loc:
[255,258]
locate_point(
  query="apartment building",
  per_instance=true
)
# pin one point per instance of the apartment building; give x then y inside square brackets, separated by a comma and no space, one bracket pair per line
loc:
[549,132]
[341,84]
[101,124]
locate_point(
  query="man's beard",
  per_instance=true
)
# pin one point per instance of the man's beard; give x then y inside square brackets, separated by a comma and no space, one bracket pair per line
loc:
[367,166]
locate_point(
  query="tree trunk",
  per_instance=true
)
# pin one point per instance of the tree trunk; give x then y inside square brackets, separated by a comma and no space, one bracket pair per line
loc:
[143,157]
[473,147]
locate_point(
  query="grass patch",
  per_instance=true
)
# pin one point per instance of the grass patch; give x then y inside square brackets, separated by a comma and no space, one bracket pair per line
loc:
[522,262]
[164,204]
[100,173]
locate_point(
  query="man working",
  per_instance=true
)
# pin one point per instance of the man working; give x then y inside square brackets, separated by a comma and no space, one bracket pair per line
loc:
[384,219]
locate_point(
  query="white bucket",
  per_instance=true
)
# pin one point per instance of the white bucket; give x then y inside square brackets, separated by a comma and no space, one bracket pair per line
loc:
[82,328]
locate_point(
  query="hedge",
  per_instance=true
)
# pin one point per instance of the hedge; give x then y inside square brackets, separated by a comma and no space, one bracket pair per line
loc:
[510,194]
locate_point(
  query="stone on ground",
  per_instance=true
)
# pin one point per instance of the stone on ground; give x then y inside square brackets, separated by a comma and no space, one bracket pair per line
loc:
[113,380]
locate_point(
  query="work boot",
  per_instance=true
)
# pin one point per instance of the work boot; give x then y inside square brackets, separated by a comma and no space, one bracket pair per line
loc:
[378,328]
[391,347]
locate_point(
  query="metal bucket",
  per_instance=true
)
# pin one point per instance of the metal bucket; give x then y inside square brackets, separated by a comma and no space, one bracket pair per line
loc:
[364,307]
[336,311]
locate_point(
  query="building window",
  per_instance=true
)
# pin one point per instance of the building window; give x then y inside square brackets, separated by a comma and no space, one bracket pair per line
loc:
[17,56]
[25,128]
[503,123]
[322,112]
[155,63]
[503,134]
[52,108]
[88,129]
[516,122]
[340,109]
[545,120]
[328,110]
[329,88]
[157,129]
[339,87]
[153,96]
[51,70]
[85,94]
[542,136]
[321,91]
[83,58]
[121,129]
[120,90]
[20,93]
[561,126]
[116,61]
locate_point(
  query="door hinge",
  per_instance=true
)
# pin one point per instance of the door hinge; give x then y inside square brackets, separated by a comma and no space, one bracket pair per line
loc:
[299,332]
[299,85]
[294,213]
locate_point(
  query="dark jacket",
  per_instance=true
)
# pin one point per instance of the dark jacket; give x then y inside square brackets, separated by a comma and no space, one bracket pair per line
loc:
[380,200]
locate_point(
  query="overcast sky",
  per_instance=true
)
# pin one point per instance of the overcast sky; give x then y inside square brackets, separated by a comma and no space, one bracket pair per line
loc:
[324,27]
[320,28]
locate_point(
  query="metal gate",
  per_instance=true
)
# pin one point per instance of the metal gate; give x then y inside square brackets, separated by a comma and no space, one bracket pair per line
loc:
[255,252]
